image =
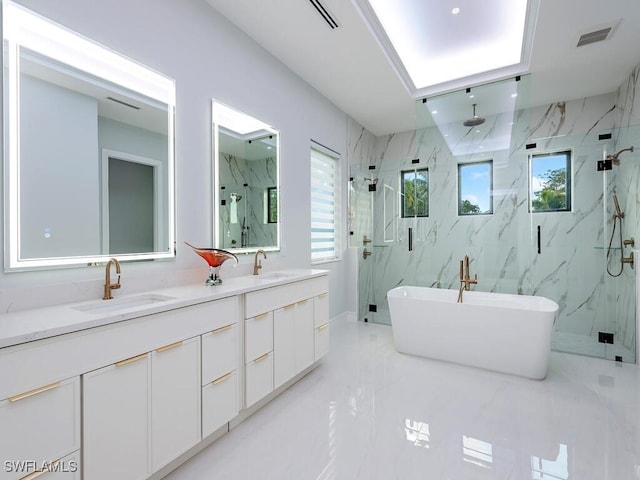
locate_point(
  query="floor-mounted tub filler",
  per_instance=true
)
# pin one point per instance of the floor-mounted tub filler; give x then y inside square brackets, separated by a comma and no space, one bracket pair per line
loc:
[496,331]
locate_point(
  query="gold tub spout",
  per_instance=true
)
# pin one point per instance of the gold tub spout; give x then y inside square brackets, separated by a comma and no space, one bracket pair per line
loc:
[465,278]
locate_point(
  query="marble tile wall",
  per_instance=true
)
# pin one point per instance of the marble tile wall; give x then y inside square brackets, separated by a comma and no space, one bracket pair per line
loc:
[258,175]
[571,268]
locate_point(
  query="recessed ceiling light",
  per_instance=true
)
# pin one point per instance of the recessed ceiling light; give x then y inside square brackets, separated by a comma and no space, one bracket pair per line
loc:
[431,57]
[514,95]
[434,111]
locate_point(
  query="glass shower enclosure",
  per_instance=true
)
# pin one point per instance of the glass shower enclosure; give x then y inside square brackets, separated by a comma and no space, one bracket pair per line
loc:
[528,194]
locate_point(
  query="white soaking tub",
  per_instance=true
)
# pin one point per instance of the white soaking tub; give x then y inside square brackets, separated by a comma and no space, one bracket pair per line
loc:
[496,331]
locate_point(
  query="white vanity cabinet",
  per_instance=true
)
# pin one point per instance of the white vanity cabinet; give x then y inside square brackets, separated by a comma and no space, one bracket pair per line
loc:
[126,398]
[40,428]
[143,411]
[281,334]
[175,400]
[116,420]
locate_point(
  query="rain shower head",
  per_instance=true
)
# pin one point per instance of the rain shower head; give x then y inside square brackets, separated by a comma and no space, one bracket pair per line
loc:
[475,120]
[614,158]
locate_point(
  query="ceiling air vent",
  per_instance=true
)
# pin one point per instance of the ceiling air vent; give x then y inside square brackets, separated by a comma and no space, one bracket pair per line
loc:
[600,33]
[326,14]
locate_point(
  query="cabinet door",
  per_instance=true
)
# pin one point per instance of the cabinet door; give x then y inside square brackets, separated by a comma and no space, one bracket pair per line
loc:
[284,361]
[116,420]
[40,425]
[321,341]
[304,340]
[175,400]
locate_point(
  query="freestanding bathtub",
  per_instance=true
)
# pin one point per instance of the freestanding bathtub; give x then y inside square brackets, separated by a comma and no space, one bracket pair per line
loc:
[496,331]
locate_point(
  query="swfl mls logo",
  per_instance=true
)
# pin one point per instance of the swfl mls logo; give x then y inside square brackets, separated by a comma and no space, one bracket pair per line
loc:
[33,466]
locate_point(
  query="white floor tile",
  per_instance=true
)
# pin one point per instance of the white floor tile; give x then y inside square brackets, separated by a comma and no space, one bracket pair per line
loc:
[368,412]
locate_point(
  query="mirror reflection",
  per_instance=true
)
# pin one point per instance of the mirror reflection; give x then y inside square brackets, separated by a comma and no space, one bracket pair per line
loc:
[88,149]
[246,179]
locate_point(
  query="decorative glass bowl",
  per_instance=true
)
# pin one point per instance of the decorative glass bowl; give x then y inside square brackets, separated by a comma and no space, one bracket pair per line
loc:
[214,257]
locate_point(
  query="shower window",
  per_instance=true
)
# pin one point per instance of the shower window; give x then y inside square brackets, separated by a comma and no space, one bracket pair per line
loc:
[550,182]
[272,205]
[415,193]
[475,188]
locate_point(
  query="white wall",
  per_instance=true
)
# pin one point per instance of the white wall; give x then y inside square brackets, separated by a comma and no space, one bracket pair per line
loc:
[209,58]
[59,137]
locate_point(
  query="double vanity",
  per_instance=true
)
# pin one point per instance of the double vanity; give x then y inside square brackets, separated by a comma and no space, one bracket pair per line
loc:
[132,387]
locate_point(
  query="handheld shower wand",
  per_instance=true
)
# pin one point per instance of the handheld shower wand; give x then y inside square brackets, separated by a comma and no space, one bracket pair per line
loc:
[619,213]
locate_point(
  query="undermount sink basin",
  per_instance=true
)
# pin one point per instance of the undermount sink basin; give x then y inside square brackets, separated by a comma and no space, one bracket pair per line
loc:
[274,275]
[117,304]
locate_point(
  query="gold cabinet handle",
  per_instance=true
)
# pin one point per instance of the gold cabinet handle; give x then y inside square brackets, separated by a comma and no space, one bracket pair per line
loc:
[126,361]
[287,307]
[222,329]
[303,301]
[261,358]
[323,326]
[50,468]
[35,391]
[322,295]
[222,378]
[262,315]
[169,347]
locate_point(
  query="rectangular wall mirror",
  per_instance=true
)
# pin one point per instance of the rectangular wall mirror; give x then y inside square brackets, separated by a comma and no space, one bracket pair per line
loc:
[246,180]
[88,149]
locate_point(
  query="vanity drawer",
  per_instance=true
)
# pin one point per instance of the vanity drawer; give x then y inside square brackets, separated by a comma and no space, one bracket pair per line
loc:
[219,352]
[258,336]
[259,378]
[282,295]
[40,425]
[219,402]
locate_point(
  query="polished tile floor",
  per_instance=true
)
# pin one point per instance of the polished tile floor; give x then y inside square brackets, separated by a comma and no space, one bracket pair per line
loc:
[368,412]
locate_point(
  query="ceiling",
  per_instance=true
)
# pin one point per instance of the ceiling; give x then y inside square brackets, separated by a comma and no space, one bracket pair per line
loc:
[349,66]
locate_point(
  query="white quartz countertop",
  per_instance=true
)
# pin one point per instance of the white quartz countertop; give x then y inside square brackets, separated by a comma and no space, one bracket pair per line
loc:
[29,325]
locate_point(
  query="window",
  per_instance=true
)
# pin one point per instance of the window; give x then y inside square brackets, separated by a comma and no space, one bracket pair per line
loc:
[550,182]
[414,193]
[475,188]
[324,202]
[272,205]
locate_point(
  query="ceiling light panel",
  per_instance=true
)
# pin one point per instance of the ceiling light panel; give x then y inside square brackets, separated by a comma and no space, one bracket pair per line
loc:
[434,48]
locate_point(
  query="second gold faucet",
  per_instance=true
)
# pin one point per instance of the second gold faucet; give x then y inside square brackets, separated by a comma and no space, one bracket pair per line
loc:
[257,264]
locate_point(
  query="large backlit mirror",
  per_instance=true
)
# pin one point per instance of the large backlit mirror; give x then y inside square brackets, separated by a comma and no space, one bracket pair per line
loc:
[246,158]
[88,149]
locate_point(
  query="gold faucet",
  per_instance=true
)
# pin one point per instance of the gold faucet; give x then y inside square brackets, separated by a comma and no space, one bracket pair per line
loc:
[257,264]
[465,279]
[108,286]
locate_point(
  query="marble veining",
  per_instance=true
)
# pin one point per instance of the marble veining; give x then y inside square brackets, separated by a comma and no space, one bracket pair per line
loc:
[503,246]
